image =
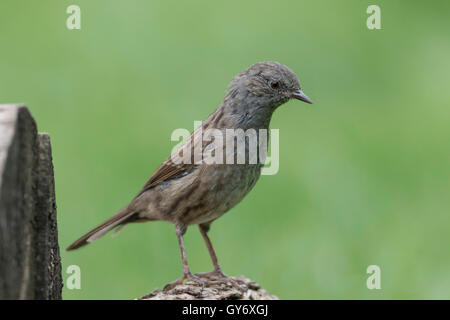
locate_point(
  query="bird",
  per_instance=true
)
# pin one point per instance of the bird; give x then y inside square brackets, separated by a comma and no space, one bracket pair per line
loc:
[195,192]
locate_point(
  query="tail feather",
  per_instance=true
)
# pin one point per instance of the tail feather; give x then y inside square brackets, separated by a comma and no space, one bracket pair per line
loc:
[119,219]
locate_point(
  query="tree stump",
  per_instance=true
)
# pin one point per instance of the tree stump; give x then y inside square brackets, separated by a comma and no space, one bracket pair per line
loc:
[213,291]
[30,266]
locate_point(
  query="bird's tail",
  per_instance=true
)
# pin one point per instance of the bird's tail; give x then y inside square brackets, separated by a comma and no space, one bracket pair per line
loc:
[122,217]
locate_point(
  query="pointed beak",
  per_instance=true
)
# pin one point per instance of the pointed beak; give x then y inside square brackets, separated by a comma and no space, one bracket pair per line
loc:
[300,95]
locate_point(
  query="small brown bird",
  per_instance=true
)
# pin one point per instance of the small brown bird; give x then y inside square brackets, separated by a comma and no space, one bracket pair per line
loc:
[195,192]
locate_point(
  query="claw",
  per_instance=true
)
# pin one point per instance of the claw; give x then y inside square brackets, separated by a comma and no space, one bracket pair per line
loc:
[221,277]
[173,284]
[180,280]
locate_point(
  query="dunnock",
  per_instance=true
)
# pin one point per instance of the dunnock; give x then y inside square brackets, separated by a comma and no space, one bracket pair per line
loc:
[194,192]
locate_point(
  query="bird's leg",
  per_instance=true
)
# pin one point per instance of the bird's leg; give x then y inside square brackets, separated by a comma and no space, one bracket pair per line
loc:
[180,231]
[217,272]
[204,228]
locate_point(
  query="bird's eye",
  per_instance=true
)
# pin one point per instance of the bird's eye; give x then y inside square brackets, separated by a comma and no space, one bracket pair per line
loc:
[275,85]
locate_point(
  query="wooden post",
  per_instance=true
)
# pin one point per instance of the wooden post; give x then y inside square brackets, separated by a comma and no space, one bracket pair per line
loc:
[30,266]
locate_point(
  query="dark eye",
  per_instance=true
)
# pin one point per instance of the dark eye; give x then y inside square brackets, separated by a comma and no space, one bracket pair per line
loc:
[275,85]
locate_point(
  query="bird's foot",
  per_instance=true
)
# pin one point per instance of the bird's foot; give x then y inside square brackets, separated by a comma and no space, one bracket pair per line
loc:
[185,276]
[217,276]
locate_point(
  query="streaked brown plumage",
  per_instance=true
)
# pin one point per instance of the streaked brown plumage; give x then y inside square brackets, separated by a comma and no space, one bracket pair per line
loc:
[198,193]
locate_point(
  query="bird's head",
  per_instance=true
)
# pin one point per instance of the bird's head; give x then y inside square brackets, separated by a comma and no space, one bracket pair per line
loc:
[267,84]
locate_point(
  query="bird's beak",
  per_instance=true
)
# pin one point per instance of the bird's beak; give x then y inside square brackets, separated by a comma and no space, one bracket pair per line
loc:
[300,95]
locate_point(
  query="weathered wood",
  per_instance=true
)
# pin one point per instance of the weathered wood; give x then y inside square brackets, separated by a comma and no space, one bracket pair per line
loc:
[214,290]
[48,265]
[29,254]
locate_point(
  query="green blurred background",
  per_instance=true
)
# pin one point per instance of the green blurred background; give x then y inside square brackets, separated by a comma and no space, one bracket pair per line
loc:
[364,172]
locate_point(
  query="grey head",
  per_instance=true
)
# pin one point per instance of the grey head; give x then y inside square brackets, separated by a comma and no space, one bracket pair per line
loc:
[267,84]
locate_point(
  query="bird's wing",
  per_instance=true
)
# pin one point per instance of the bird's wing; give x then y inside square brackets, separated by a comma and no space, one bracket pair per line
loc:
[170,169]
[166,171]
